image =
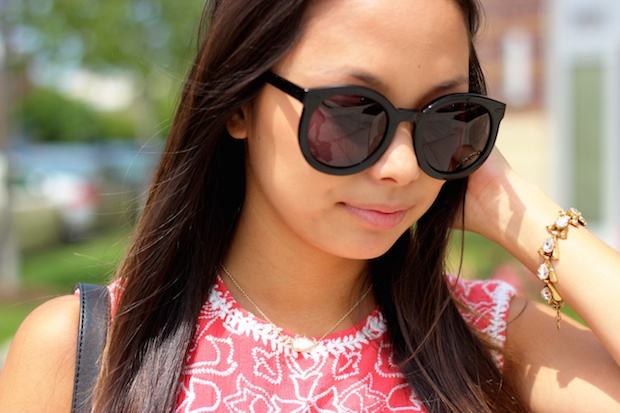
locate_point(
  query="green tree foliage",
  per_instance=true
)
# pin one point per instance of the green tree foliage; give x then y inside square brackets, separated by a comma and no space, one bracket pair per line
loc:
[116,125]
[153,40]
[140,35]
[50,116]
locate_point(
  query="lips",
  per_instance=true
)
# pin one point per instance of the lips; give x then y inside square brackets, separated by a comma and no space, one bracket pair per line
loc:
[380,217]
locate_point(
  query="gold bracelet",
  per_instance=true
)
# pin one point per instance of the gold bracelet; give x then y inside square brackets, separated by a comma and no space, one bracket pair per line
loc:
[550,252]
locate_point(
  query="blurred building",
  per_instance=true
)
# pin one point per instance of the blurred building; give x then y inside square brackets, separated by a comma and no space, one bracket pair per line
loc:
[512,51]
[556,63]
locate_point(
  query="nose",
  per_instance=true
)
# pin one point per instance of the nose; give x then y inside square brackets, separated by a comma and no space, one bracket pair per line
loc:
[398,164]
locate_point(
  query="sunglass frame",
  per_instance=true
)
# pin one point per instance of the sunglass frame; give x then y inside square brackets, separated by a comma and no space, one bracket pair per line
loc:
[312,98]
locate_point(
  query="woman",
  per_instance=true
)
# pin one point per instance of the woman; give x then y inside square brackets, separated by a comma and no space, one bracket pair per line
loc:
[275,267]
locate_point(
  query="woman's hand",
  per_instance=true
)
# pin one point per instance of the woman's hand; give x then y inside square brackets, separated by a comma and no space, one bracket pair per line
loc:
[493,203]
[573,369]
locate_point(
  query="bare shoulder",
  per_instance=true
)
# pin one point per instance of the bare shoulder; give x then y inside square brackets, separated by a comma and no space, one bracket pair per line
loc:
[38,373]
[558,370]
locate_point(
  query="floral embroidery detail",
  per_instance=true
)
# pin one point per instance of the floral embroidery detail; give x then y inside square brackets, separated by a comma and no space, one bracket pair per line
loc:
[409,403]
[249,398]
[488,302]
[205,388]
[346,365]
[215,356]
[237,363]
[267,365]
[241,322]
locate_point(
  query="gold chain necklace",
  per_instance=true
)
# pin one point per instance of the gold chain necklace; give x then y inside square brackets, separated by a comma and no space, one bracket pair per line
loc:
[298,343]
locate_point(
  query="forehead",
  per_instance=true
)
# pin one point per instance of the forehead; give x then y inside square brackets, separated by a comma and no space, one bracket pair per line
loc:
[411,41]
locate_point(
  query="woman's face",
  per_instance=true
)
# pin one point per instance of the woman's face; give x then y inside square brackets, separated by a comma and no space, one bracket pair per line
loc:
[411,51]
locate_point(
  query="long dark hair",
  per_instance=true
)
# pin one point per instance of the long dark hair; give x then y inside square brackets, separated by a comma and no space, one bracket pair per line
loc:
[191,212]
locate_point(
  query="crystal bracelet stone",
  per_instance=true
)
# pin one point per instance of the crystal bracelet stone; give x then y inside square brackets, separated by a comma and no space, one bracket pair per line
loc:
[550,252]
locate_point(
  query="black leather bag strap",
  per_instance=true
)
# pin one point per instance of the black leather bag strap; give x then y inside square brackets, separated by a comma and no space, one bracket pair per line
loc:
[93,330]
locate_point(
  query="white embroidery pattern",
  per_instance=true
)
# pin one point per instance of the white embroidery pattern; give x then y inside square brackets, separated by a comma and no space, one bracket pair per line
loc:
[203,387]
[267,365]
[237,363]
[488,302]
[240,322]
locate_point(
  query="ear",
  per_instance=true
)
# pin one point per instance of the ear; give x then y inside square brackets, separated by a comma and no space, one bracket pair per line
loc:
[238,124]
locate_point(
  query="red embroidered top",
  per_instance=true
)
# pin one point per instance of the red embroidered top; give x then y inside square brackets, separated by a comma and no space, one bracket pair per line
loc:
[237,363]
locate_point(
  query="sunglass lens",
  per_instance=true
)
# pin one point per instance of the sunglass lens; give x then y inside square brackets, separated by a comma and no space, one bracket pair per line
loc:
[454,136]
[344,130]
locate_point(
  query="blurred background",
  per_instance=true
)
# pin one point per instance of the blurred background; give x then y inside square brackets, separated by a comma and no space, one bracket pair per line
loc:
[88,89]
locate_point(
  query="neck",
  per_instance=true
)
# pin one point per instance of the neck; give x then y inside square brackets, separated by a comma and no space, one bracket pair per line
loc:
[302,290]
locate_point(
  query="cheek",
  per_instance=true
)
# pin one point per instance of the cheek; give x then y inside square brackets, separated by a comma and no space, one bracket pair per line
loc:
[427,190]
[277,172]
[272,139]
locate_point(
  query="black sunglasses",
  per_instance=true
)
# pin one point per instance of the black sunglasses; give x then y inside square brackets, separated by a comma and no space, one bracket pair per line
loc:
[345,129]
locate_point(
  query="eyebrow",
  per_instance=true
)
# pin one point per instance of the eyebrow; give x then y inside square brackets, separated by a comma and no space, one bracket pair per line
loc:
[458,81]
[369,79]
[378,84]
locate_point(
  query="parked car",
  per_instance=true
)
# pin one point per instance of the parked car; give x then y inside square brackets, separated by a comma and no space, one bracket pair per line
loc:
[64,176]
[129,166]
[90,186]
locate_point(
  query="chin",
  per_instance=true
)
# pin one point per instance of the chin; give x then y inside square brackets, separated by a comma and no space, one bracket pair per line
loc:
[368,251]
